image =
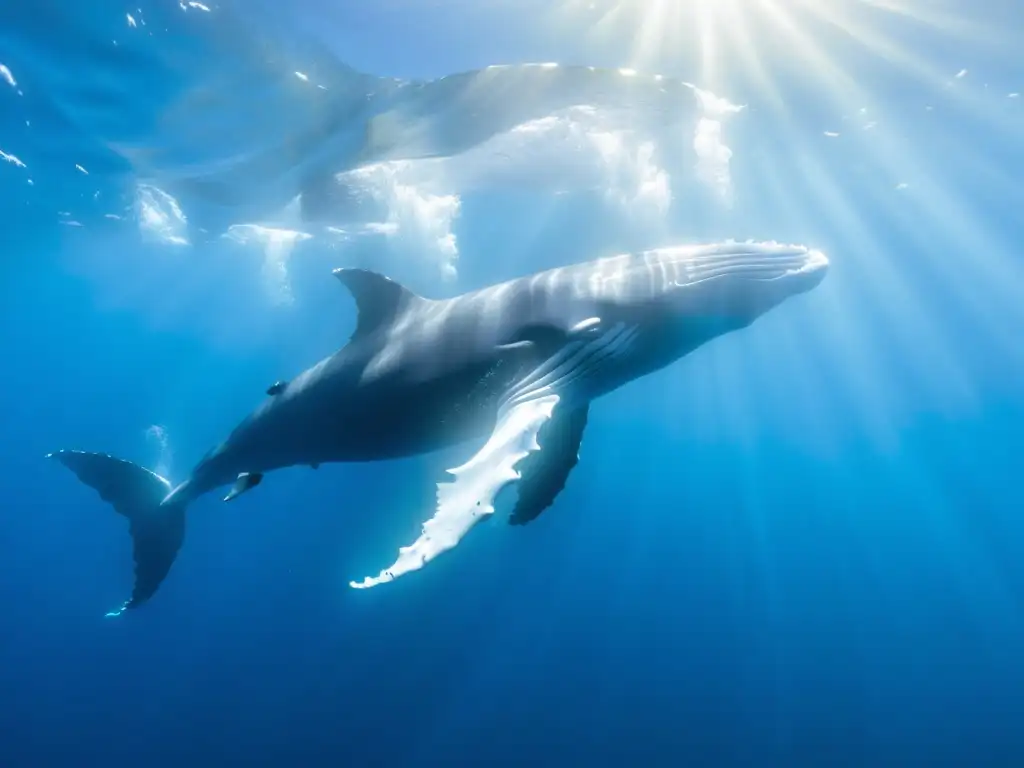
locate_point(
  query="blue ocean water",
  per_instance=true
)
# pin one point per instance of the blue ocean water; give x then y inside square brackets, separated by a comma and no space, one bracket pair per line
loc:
[798,546]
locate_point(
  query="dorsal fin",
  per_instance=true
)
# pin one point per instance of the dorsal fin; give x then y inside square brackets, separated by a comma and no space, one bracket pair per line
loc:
[378,299]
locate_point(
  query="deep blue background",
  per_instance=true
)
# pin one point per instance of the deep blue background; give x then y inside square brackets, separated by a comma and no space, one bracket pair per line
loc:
[799,546]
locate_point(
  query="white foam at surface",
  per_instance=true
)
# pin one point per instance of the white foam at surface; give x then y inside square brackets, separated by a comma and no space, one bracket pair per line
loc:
[159,216]
[713,155]
[716,107]
[7,75]
[418,202]
[713,158]
[635,182]
[418,220]
[277,245]
[576,149]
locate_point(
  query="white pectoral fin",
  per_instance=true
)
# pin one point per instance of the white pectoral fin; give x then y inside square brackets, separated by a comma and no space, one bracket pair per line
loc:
[469,498]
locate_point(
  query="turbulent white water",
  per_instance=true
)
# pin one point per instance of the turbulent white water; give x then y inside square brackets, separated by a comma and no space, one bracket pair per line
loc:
[413,203]
[208,134]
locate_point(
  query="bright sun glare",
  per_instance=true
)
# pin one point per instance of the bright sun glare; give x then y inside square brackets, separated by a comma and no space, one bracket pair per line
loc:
[725,36]
[817,65]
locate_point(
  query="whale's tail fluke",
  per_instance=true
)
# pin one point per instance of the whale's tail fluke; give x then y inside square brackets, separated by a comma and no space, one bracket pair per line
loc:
[157,528]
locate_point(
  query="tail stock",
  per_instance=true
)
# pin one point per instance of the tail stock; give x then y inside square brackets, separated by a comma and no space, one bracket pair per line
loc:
[157,529]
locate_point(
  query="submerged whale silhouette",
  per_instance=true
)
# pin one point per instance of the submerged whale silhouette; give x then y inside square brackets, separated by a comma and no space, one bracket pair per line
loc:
[519,361]
[361,120]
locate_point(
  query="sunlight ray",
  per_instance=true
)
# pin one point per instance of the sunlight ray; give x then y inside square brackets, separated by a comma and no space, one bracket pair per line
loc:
[645,41]
[949,23]
[871,38]
[842,87]
[890,287]
[707,26]
[728,31]
[746,44]
[965,241]
[928,73]
[854,376]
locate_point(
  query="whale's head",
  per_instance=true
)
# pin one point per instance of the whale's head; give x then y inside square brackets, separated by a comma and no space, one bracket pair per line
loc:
[713,289]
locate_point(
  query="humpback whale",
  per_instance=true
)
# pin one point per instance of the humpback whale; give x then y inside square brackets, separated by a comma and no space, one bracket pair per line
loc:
[515,365]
